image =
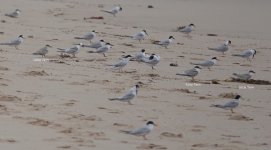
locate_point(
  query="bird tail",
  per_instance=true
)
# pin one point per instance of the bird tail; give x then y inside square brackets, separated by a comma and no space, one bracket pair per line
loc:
[235,74]
[217,105]
[61,50]
[236,55]
[112,99]
[90,51]
[181,74]
[211,48]
[4,43]
[106,11]
[36,53]
[78,38]
[195,63]
[124,131]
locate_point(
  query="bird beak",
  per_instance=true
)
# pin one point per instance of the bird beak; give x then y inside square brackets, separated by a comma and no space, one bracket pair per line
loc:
[146,33]
[111,44]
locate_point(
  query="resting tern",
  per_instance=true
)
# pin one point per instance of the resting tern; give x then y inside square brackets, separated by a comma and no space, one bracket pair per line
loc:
[122,63]
[103,49]
[89,36]
[143,131]
[127,97]
[167,42]
[113,11]
[72,50]
[96,44]
[246,54]
[222,48]
[140,35]
[16,42]
[207,63]
[43,51]
[14,14]
[191,73]
[230,105]
[245,76]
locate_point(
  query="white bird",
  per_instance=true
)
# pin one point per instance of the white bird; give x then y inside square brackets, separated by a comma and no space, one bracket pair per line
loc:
[191,73]
[89,36]
[143,131]
[246,54]
[96,44]
[186,29]
[72,50]
[230,105]
[245,76]
[167,42]
[43,51]
[152,61]
[141,56]
[122,63]
[127,97]
[16,42]
[14,14]
[103,49]
[140,35]
[222,48]
[207,63]
[113,11]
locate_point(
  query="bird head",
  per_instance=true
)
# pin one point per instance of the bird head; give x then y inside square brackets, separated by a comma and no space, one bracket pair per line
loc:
[254,52]
[127,56]
[145,31]
[237,97]
[191,25]
[197,67]
[143,50]
[171,37]
[251,72]
[151,123]
[21,36]
[47,45]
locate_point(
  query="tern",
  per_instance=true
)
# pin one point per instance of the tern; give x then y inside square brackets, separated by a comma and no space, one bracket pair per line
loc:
[113,11]
[230,105]
[14,14]
[122,63]
[152,61]
[140,35]
[246,54]
[143,131]
[103,49]
[191,73]
[167,42]
[16,42]
[207,63]
[89,36]
[222,48]
[72,50]
[127,97]
[245,76]
[186,29]
[43,51]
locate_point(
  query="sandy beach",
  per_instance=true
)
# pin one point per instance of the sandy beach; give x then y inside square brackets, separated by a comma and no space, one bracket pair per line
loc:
[62,103]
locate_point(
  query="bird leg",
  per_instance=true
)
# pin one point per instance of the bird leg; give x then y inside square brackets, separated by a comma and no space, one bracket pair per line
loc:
[129,102]
[104,55]
[145,138]
[232,111]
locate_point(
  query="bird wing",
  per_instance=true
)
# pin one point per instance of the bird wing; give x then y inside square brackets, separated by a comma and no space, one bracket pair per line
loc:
[191,72]
[140,131]
[165,42]
[231,104]
[102,49]
[72,50]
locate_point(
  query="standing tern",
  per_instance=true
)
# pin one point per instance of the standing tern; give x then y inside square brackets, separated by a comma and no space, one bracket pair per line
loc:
[103,49]
[245,76]
[186,29]
[141,56]
[143,131]
[113,11]
[140,35]
[167,42]
[246,54]
[230,105]
[89,36]
[14,14]
[96,44]
[122,63]
[207,63]
[222,48]
[127,97]
[191,73]
[152,61]
[43,51]
[72,50]
[16,42]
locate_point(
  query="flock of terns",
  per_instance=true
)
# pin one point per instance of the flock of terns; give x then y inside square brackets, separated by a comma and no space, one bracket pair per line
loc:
[152,60]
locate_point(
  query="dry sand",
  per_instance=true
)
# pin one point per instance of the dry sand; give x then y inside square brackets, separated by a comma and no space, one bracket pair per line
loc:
[52,105]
